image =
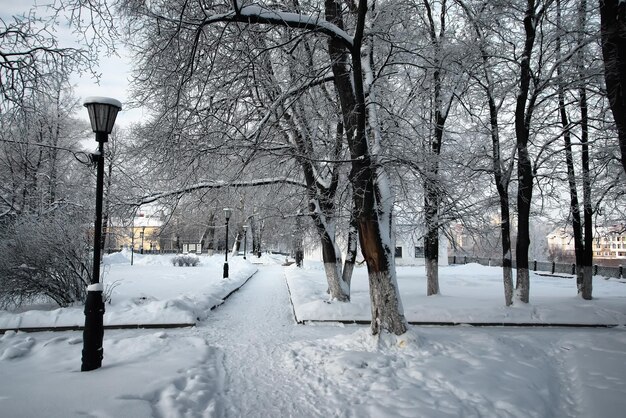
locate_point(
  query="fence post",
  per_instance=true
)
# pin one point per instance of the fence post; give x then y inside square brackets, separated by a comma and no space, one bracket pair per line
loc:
[573,268]
[553,266]
[595,269]
[535,265]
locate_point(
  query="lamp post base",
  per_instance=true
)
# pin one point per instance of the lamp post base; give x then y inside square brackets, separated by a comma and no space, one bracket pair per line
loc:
[226,270]
[94,329]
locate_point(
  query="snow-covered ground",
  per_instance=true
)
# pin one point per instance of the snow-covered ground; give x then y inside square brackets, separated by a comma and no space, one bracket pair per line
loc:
[248,358]
[470,293]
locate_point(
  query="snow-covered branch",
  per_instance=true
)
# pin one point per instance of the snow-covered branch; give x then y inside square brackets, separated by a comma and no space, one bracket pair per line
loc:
[216,185]
[259,14]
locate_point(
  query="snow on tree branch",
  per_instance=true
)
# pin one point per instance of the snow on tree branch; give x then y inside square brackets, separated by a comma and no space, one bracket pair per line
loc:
[216,185]
[260,14]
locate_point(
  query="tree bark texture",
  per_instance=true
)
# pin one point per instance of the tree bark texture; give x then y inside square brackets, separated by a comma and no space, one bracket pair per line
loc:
[613,33]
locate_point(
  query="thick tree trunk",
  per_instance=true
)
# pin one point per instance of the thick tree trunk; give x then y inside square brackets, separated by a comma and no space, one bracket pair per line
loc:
[338,288]
[387,313]
[613,32]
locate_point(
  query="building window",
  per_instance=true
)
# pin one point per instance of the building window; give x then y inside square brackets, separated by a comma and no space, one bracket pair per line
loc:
[399,252]
[419,252]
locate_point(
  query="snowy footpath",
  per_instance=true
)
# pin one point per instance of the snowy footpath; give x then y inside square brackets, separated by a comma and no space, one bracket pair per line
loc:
[248,358]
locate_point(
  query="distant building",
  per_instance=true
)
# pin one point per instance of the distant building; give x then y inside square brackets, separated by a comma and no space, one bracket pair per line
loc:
[608,242]
[142,234]
[408,250]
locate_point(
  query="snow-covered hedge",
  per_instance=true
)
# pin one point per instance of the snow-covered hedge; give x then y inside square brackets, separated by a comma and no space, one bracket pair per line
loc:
[185,260]
[44,257]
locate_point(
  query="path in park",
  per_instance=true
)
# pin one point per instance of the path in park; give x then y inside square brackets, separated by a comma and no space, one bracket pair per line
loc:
[253,330]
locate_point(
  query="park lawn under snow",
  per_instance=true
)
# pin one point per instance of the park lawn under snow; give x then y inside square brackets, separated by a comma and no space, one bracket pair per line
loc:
[249,358]
[470,293]
[151,291]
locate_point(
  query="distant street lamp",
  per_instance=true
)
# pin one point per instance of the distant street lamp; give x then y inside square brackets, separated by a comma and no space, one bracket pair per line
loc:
[245,240]
[132,241]
[141,234]
[102,114]
[227,213]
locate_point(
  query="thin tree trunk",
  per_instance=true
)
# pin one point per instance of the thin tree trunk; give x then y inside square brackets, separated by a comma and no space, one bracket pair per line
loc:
[502,176]
[586,285]
[208,236]
[569,158]
[524,166]
[432,182]
[353,236]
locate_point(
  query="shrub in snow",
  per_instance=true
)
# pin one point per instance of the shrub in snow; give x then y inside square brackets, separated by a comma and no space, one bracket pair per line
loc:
[44,257]
[185,260]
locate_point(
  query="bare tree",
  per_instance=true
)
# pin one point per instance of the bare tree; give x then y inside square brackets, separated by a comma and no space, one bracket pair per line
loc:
[370,196]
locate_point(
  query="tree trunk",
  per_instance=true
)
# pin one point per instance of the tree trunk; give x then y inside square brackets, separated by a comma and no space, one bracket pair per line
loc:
[502,176]
[331,256]
[569,160]
[524,167]
[387,313]
[431,241]
[586,282]
[208,236]
[353,236]
[613,32]
[432,183]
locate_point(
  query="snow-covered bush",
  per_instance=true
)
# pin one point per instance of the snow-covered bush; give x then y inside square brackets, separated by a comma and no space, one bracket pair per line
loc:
[43,258]
[185,260]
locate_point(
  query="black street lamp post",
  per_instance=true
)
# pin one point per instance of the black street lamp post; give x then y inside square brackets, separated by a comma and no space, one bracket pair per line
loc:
[227,213]
[245,240]
[141,234]
[102,114]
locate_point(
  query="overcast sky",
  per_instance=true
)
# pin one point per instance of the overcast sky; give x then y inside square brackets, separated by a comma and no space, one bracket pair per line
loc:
[115,71]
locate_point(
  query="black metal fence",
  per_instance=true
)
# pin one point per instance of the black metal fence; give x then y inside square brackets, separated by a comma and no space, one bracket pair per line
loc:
[544,266]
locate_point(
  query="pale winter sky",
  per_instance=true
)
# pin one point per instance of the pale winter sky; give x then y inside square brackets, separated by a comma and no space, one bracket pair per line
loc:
[115,71]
